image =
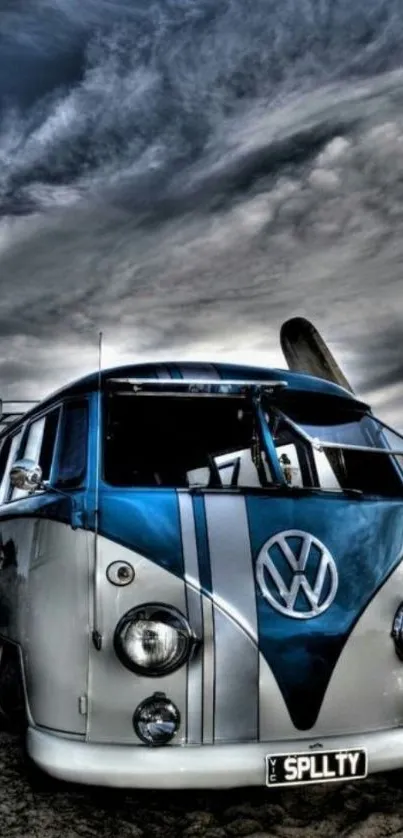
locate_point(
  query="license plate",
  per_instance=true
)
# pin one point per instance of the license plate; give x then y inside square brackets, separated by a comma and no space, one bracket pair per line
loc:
[316,767]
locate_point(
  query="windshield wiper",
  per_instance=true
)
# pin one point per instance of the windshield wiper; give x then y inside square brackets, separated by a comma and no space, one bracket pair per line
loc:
[237,490]
[318,489]
[273,487]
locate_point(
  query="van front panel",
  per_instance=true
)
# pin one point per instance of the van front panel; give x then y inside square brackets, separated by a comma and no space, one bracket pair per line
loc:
[259,673]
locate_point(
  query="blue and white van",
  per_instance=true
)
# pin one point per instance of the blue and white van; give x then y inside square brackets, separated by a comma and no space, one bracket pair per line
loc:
[201,578]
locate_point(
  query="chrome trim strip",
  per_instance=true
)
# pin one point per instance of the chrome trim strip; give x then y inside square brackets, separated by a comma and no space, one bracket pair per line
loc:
[195,617]
[208,671]
[194,699]
[189,394]
[322,445]
[235,382]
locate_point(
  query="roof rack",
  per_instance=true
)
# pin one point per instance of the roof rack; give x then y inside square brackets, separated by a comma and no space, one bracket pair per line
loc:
[12,411]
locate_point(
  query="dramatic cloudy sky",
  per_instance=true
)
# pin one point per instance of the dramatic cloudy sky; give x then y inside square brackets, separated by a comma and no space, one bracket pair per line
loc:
[186,174]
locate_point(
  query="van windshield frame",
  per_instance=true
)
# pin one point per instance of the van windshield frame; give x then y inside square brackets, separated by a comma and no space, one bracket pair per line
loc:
[268,405]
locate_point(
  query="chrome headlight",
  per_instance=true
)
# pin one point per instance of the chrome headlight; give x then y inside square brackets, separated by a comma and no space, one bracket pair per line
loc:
[154,640]
[397,632]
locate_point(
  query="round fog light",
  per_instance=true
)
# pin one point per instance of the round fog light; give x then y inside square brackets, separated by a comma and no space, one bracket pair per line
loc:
[156,720]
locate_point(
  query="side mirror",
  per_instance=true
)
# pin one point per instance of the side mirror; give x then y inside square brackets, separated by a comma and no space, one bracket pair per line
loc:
[26,475]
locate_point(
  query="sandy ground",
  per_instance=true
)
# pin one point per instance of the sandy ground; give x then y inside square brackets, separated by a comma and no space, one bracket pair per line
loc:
[368,809]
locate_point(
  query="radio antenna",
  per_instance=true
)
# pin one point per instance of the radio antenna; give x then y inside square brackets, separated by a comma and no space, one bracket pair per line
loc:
[98,455]
[99,358]
[96,634]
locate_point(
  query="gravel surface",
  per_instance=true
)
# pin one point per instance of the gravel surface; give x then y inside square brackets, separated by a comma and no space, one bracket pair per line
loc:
[367,809]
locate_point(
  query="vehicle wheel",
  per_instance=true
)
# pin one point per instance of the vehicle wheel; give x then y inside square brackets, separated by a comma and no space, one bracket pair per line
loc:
[12,699]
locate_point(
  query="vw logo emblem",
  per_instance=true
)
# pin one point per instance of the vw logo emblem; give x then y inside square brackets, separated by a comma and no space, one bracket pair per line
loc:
[296,574]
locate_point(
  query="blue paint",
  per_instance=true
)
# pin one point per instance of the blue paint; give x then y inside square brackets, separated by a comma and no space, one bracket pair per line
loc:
[174,371]
[270,449]
[365,539]
[66,509]
[199,510]
[145,520]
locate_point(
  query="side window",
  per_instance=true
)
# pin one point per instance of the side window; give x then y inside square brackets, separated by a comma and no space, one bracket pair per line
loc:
[33,442]
[39,446]
[47,449]
[7,456]
[72,461]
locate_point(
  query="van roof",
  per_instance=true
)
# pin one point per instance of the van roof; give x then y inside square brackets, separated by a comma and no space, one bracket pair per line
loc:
[195,369]
[177,370]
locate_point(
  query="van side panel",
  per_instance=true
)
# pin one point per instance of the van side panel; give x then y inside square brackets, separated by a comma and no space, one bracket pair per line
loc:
[55,625]
[17,546]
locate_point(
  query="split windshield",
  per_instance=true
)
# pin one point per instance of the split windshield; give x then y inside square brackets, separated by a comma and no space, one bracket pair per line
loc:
[304,432]
[181,442]
[222,442]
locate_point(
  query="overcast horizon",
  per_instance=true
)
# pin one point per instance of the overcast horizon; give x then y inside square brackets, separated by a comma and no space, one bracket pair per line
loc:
[184,177]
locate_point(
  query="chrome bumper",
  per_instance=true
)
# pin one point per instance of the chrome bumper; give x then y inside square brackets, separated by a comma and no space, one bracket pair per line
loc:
[191,766]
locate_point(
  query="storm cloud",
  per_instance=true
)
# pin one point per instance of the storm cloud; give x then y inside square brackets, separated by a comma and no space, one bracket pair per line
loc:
[185,175]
